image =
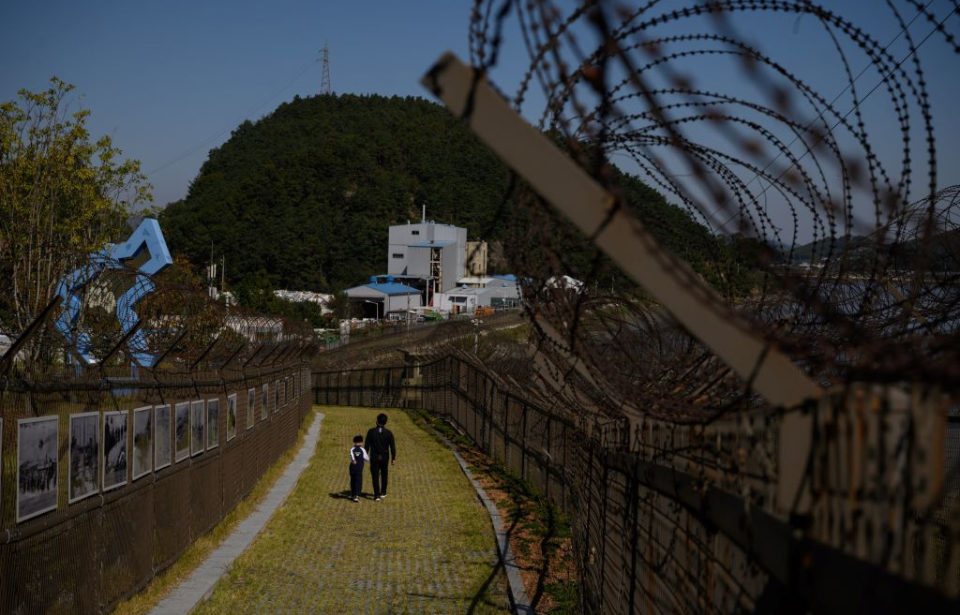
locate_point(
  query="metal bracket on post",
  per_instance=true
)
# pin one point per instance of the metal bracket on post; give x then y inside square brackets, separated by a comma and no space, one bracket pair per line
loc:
[267,356]
[203,355]
[253,355]
[566,186]
[235,354]
[123,341]
[170,348]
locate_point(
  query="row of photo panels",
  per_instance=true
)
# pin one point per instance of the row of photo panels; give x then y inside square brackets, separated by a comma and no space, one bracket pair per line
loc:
[100,458]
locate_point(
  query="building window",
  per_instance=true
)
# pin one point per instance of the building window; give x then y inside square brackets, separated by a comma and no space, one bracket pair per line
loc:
[414,232]
[397,255]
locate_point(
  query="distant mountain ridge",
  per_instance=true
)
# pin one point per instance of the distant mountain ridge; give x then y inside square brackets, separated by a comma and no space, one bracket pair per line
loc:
[820,248]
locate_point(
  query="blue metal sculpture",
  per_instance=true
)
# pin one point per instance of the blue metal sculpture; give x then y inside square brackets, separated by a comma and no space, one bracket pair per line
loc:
[145,252]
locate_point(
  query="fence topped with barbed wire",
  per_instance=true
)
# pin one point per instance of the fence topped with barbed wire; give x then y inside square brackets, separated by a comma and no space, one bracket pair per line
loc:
[131,422]
[791,339]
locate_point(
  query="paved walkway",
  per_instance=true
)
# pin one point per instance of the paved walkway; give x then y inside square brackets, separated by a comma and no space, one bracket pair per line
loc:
[427,548]
[201,582]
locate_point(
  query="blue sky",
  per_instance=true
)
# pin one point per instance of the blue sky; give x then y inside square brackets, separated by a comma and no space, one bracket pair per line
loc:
[169,80]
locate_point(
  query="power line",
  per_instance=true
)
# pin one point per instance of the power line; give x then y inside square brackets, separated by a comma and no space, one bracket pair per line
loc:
[246,116]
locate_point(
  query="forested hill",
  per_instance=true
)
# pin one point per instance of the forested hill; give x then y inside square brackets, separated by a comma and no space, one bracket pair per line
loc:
[302,198]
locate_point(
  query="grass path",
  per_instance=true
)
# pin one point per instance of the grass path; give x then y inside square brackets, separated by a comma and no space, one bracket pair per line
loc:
[427,548]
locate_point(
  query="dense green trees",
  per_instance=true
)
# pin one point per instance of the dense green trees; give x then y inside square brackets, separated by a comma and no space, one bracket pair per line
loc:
[62,196]
[307,193]
[302,198]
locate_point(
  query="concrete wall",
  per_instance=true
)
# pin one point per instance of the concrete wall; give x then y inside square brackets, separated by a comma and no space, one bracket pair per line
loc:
[416,261]
[475,258]
[398,303]
[452,262]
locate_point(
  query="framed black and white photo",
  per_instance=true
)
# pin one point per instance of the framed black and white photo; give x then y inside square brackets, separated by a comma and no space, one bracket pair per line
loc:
[197,421]
[161,437]
[83,465]
[276,396]
[231,416]
[115,453]
[264,399]
[36,466]
[182,430]
[213,423]
[251,410]
[142,441]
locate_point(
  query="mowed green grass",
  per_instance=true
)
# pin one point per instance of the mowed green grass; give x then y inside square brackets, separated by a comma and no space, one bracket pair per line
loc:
[427,548]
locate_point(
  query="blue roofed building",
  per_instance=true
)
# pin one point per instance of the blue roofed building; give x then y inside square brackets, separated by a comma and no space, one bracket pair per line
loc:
[381,298]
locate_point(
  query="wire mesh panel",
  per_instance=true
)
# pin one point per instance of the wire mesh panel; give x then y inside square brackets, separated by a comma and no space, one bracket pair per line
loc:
[117,506]
[684,518]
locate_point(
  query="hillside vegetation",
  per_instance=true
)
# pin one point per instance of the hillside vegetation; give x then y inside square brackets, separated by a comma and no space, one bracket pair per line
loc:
[303,197]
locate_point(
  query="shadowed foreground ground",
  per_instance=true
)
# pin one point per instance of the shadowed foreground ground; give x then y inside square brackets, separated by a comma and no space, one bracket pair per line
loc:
[427,548]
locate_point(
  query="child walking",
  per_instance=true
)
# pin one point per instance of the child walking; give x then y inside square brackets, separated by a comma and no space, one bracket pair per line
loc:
[358,455]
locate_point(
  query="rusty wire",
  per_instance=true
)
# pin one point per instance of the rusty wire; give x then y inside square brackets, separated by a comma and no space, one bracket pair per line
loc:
[838,249]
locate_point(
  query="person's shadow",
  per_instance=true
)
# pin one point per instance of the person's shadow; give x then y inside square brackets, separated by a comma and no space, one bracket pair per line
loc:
[346,495]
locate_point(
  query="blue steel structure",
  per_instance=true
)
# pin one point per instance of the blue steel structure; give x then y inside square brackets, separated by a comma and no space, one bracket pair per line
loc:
[146,253]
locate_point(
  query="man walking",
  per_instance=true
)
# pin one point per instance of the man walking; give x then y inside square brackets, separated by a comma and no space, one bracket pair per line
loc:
[380,445]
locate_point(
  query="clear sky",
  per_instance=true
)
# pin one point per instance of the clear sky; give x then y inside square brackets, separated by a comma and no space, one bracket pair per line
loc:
[169,80]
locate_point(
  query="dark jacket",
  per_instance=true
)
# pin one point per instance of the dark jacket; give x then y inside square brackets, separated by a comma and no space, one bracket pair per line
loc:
[379,444]
[357,453]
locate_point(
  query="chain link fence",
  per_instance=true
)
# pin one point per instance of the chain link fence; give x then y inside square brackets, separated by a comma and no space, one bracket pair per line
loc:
[130,429]
[688,519]
[107,483]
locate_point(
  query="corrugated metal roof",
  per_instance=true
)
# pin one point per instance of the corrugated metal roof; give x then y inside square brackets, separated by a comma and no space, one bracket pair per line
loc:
[394,289]
[470,279]
[468,291]
[443,243]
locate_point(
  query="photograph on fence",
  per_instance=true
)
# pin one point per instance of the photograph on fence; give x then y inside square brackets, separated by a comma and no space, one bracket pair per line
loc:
[182,430]
[114,449]
[231,416]
[161,439]
[142,441]
[83,465]
[276,396]
[264,398]
[213,423]
[251,401]
[197,420]
[36,466]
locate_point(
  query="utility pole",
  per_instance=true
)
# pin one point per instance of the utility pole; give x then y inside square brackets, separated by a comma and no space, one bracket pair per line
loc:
[325,87]
[212,276]
[476,334]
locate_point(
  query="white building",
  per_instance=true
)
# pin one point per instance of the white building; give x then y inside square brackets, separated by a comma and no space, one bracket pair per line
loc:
[428,250]
[494,291]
